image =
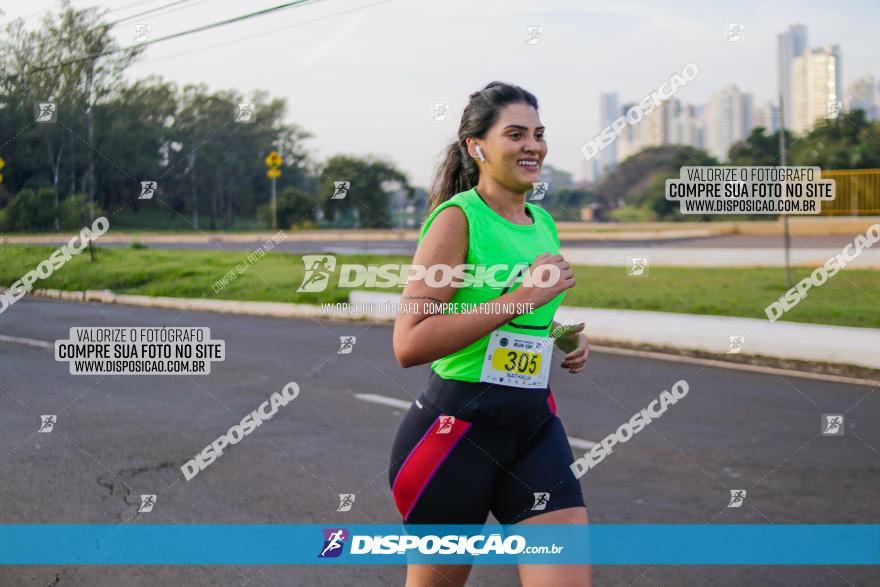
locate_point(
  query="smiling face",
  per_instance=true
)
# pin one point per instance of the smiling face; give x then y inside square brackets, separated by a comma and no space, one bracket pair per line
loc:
[514,148]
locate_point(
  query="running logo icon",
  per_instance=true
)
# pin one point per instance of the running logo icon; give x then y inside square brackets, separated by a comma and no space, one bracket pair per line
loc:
[45,112]
[47,423]
[318,270]
[439,110]
[346,500]
[736,344]
[834,108]
[737,496]
[346,345]
[539,190]
[446,424]
[832,424]
[148,189]
[334,541]
[147,503]
[541,500]
[735,31]
[142,32]
[533,35]
[638,266]
[340,189]
[244,113]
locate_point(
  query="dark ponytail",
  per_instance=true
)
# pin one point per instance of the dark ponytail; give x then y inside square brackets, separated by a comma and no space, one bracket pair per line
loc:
[458,172]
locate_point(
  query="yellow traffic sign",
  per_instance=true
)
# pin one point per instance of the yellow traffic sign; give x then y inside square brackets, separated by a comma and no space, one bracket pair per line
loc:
[2,163]
[274,172]
[273,159]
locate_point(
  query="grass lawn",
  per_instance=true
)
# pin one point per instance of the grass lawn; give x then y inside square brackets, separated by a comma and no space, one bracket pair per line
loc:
[850,298]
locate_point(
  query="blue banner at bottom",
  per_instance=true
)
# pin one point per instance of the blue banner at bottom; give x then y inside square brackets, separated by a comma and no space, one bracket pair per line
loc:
[396,544]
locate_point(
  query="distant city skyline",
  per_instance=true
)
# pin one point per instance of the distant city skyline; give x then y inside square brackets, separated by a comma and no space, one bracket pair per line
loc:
[809,84]
[362,77]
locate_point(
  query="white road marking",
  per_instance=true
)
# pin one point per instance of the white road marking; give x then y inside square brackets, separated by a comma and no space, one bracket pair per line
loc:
[28,341]
[404,405]
[730,365]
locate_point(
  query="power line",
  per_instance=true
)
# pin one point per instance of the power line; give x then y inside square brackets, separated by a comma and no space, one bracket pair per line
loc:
[263,33]
[200,29]
[152,10]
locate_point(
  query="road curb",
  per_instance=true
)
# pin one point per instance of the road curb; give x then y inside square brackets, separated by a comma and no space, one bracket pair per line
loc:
[821,343]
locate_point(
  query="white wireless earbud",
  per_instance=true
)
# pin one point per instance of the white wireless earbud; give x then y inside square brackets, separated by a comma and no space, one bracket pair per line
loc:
[480,153]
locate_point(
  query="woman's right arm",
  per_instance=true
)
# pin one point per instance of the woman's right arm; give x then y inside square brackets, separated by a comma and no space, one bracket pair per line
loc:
[421,338]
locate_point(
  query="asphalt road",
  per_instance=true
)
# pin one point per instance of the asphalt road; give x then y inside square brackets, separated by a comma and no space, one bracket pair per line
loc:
[117,437]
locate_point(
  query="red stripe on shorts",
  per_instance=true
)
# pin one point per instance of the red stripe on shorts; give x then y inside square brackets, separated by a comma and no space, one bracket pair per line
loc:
[424,460]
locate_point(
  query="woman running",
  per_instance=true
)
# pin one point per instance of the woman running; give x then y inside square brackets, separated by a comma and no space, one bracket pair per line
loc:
[484,436]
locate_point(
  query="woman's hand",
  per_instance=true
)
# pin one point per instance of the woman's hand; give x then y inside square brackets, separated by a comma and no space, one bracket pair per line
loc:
[577,347]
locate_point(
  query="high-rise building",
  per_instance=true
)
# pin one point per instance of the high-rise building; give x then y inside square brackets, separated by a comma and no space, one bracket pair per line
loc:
[628,142]
[728,119]
[685,125]
[791,44]
[816,87]
[766,116]
[654,129]
[609,110]
[863,95]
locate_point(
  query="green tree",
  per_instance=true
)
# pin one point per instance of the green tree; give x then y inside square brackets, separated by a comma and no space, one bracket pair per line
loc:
[367,200]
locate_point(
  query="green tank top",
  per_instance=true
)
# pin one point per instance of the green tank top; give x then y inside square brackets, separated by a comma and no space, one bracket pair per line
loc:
[492,240]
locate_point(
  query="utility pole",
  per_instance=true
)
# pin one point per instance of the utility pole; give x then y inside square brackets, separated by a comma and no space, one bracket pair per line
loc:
[788,283]
[90,133]
[192,174]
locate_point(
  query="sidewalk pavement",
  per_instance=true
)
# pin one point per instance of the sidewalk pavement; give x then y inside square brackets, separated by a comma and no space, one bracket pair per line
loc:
[700,257]
[785,340]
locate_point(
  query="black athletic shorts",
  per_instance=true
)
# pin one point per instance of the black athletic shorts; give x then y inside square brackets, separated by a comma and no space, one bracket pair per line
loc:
[466,449]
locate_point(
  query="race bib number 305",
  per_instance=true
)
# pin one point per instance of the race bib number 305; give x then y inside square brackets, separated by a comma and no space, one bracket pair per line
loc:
[516,359]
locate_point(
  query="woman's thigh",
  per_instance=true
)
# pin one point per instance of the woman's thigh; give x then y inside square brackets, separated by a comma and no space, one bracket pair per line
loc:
[545,575]
[437,575]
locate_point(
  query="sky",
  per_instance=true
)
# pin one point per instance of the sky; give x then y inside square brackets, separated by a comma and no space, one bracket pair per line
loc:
[361,76]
